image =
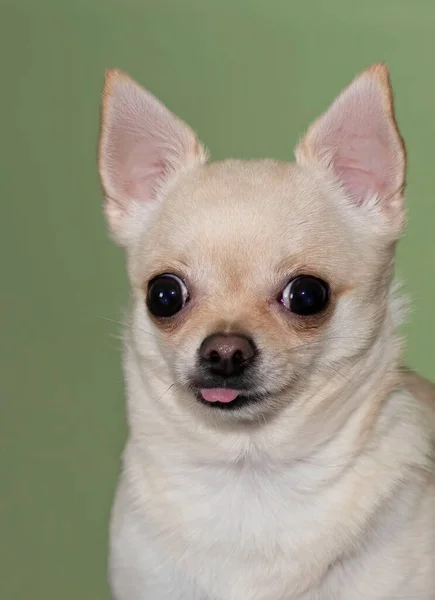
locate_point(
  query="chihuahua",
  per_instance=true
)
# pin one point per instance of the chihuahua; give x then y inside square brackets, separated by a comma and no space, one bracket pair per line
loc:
[277,448]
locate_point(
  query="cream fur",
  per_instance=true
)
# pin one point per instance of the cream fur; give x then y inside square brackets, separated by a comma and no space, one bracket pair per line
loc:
[325,490]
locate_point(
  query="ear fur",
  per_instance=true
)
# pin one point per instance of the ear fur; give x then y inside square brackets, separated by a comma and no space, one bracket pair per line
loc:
[142,146]
[357,140]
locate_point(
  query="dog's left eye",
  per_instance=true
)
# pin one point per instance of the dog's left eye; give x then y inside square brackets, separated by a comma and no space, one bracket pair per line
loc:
[166,296]
[305,295]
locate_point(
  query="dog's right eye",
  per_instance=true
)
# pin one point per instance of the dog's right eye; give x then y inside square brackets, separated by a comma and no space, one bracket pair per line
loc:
[166,295]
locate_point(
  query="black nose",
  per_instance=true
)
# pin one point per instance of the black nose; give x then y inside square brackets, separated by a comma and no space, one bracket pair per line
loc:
[227,355]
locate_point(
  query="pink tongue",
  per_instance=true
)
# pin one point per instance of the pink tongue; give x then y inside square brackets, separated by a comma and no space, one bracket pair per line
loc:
[219,395]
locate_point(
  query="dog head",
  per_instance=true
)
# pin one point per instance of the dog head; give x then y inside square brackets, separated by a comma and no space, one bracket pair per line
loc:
[249,278]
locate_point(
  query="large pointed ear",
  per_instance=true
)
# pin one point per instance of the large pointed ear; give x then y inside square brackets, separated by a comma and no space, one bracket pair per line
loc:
[358,141]
[142,146]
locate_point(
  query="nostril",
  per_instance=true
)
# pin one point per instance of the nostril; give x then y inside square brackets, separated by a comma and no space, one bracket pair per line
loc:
[214,357]
[238,357]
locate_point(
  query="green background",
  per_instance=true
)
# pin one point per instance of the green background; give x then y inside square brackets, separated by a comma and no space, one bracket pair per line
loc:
[248,75]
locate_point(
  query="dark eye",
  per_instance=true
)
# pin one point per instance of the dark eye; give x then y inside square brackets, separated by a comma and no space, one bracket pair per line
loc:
[166,296]
[305,295]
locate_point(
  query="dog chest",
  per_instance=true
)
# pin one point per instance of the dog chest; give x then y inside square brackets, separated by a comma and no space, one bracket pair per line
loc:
[240,529]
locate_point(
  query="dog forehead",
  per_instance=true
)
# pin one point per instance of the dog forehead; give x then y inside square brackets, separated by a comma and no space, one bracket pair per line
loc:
[258,185]
[243,202]
[246,224]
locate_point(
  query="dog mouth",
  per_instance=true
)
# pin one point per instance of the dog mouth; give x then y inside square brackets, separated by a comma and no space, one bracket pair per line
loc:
[226,398]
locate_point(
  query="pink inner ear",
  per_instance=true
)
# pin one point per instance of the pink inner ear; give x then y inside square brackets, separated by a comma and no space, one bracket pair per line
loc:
[141,156]
[142,143]
[363,164]
[143,176]
[357,137]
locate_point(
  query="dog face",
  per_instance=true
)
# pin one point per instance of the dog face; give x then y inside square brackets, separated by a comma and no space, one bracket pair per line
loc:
[252,278]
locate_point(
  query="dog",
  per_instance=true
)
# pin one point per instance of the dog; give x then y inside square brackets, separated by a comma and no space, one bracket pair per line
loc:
[277,447]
